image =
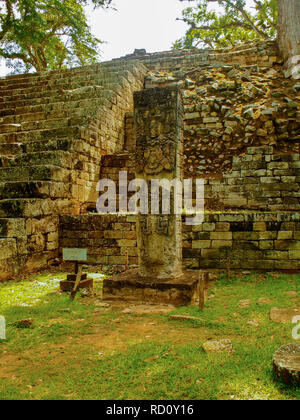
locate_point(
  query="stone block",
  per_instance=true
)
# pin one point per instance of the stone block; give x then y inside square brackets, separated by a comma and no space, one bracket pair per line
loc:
[226,236]
[221,244]
[208,226]
[201,244]
[259,226]
[282,235]
[246,236]
[294,254]
[8,248]
[222,227]
[267,245]
[126,243]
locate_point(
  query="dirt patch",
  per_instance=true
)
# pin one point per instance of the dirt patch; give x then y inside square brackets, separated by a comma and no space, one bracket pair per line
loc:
[102,340]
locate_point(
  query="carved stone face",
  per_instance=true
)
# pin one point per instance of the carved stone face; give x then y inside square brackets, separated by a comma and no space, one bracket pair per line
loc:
[153,160]
[156,158]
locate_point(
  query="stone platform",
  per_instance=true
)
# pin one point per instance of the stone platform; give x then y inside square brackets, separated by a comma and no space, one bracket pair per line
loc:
[130,286]
[68,285]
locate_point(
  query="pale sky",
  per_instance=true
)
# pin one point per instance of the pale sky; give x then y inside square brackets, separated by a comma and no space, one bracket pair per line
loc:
[149,24]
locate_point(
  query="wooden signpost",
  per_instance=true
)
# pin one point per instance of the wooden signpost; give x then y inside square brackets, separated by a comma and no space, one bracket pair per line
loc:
[202,289]
[78,280]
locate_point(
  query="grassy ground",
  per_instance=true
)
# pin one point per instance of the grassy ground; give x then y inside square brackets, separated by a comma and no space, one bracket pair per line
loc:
[82,350]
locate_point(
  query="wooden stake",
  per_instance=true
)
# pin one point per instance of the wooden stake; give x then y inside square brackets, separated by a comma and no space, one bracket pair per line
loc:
[203,281]
[228,269]
[78,279]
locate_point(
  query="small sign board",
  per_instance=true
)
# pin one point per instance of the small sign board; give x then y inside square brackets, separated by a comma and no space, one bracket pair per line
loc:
[74,254]
[2,328]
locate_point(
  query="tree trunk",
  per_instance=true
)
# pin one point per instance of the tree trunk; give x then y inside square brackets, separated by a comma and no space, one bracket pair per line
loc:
[289,30]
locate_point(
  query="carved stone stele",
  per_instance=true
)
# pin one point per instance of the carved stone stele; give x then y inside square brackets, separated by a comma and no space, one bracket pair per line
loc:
[159,142]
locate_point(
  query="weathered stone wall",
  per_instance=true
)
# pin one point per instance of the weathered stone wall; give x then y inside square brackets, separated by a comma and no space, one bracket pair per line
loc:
[106,237]
[260,179]
[54,128]
[232,101]
[260,241]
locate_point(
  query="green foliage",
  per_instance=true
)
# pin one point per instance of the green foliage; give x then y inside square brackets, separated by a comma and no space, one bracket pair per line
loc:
[224,23]
[46,34]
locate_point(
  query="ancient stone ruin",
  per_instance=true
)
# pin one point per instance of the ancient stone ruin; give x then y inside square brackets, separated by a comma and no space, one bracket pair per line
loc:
[60,132]
[159,139]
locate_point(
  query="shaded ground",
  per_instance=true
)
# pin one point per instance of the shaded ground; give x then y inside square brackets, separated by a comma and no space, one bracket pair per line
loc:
[88,350]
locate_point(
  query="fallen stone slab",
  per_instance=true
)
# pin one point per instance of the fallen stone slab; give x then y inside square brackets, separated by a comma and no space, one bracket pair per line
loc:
[217,346]
[185,317]
[102,304]
[292,293]
[253,323]
[283,315]
[264,301]
[149,309]
[286,364]
[245,303]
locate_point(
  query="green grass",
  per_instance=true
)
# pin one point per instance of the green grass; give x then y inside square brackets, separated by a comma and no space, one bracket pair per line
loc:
[77,350]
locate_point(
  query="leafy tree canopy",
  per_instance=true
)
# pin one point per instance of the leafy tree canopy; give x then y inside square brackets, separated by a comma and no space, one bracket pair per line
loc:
[47,34]
[224,23]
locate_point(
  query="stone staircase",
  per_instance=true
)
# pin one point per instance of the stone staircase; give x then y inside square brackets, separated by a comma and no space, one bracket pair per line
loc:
[54,128]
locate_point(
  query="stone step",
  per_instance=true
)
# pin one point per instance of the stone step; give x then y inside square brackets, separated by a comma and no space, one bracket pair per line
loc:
[52,111]
[23,80]
[49,109]
[35,207]
[50,124]
[59,158]
[37,125]
[34,189]
[67,84]
[70,93]
[59,96]
[35,173]
[40,135]
[13,149]
[26,207]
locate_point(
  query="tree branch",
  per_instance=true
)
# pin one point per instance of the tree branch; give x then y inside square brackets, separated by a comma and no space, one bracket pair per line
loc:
[14,55]
[215,28]
[7,19]
[243,13]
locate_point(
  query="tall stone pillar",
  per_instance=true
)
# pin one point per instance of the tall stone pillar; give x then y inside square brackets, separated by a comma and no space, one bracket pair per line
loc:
[159,148]
[159,143]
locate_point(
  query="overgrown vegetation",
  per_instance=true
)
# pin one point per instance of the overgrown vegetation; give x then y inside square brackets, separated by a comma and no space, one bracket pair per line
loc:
[84,350]
[47,34]
[225,23]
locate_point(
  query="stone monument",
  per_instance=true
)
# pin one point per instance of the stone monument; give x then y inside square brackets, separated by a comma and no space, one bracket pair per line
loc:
[158,116]
[159,143]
